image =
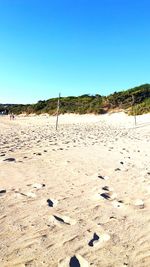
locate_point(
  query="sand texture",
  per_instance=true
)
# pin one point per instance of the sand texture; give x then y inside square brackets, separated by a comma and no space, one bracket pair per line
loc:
[76,197]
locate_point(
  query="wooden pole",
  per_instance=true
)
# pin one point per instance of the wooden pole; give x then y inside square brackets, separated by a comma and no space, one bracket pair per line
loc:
[133,102]
[58,106]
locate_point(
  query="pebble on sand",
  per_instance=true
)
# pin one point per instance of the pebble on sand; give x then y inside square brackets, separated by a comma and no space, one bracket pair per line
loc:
[139,203]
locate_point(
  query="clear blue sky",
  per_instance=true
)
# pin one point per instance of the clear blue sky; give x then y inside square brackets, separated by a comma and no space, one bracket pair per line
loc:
[73,47]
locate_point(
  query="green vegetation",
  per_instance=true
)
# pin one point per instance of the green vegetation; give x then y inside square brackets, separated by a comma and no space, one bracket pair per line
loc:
[141,108]
[134,101]
[124,99]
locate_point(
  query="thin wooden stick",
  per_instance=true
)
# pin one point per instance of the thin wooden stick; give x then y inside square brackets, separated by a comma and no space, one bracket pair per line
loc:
[133,102]
[58,105]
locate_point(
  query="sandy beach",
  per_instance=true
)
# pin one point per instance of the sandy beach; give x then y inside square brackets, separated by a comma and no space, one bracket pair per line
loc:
[79,196]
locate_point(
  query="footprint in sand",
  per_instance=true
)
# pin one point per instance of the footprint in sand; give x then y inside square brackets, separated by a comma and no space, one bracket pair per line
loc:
[2,192]
[94,240]
[27,194]
[98,240]
[78,261]
[106,188]
[52,202]
[109,195]
[2,155]
[117,204]
[30,194]
[62,220]
[75,261]
[117,169]
[105,195]
[10,160]
[103,177]
[38,186]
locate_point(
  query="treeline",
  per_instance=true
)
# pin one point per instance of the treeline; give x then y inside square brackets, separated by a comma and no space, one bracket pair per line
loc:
[135,100]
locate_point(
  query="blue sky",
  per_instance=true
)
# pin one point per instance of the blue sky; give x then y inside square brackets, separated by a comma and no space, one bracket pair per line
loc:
[72,47]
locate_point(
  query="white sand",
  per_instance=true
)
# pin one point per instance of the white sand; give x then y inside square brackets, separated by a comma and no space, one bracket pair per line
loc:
[59,207]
